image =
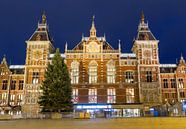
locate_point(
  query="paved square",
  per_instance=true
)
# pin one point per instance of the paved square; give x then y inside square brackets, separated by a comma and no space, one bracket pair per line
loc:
[125,123]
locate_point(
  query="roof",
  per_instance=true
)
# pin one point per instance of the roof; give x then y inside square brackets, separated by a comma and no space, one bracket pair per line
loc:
[41,34]
[52,55]
[168,65]
[167,68]
[106,45]
[17,69]
[144,32]
[17,66]
[128,55]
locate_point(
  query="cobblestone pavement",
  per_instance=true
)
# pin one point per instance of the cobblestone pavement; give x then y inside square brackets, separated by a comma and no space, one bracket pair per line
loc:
[125,123]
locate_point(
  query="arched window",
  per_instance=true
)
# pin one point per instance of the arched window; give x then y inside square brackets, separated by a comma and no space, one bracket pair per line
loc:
[75,72]
[111,72]
[93,75]
[180,83]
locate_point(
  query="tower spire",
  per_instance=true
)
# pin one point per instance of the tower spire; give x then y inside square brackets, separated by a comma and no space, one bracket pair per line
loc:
[93,28]
[4,60]
[182,60]
[66,46]
[119,45]
[142,17]
[43,18]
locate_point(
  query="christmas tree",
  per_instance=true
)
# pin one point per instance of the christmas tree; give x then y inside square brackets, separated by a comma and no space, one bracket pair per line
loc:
[56,96]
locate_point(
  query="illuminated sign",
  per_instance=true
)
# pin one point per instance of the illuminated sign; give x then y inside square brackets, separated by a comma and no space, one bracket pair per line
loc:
[151,109]
[184,106]
[93,106]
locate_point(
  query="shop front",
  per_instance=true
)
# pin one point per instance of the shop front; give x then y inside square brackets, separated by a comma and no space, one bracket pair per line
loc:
[127,110]
[107,111]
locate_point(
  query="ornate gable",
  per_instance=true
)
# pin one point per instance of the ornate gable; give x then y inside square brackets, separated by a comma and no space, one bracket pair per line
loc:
[42,32]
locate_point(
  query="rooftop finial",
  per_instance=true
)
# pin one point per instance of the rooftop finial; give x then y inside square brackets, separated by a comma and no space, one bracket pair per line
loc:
[93,19]
[66,46]
[142,17]
[181,56]
[119,45]
[43,18]
[4,60]
[93,28]
[182,59]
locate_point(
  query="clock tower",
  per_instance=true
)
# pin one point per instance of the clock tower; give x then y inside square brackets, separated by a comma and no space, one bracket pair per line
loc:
[146,49]
[39,47]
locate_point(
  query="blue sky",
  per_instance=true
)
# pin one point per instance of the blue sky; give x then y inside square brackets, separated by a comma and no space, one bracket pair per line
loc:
[68,19]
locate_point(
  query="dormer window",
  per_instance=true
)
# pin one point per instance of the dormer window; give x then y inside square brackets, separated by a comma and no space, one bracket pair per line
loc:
[38,37]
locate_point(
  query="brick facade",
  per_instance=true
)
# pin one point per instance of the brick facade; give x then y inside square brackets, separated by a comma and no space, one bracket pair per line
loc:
[100,74]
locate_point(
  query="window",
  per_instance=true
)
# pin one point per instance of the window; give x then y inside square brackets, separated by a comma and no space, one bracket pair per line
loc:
[19,99]
[13,85]
[93,72]
[182,94]
[130,95]
[75,73]
[21,83]
[35,78]
[165,83]
[92,95]
[166,95]
[174,95]
[180,83]
[149,76]
[12,98]
[129,77]
[173,83]
[111,72]
[28,97]
[111,95]
[4,85]
[4,98]
[75,95]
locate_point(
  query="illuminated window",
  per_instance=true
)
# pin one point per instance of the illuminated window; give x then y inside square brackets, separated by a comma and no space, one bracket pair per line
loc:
[4,98]
[111,95]
[180,83]
[35,78]
[75,72]
[4,85]
[111,72]
[12,99]
[129,77]
[130,95]
[93,72]
[75,95]
[92,95]
[19,99]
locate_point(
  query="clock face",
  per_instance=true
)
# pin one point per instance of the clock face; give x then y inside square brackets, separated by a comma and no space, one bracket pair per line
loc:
[93,47]
[147,53]
[37,54]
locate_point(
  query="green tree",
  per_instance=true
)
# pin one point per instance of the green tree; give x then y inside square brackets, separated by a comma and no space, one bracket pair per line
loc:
[56,96]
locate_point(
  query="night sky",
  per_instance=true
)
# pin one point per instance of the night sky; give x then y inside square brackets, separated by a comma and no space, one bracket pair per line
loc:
[68,19]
